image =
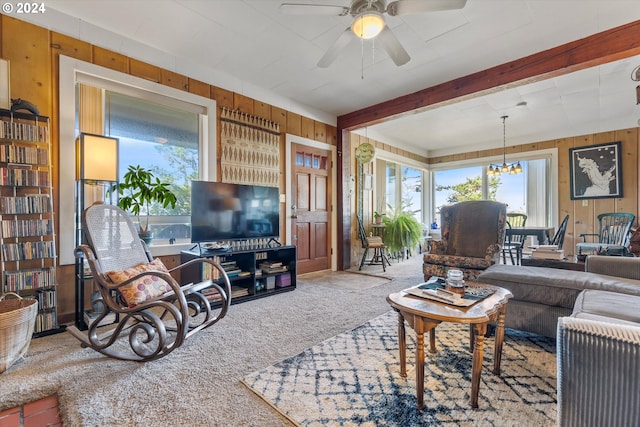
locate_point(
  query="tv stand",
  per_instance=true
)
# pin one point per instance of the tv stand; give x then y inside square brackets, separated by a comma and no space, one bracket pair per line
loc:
[254,273]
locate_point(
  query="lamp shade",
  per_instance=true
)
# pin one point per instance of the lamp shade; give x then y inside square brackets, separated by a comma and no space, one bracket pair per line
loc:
[96,157]
[367,25]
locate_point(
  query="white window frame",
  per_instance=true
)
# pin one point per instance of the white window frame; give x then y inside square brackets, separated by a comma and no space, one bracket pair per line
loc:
[380,182]
[73,71]
[532,196]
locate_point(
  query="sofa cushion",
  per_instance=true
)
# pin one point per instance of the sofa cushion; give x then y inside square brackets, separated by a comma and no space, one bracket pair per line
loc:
[552,286]
[611,307]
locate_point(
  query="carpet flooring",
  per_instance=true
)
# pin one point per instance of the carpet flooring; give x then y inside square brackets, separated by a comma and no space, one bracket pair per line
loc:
[354,379]
[199,384]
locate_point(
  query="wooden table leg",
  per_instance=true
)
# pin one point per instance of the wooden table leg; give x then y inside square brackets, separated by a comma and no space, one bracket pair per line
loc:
[402,345]
[432,340]
[419,328]
[480,330]
[497,355]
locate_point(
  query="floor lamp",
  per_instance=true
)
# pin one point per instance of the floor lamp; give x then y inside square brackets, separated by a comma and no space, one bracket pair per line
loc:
[96,182]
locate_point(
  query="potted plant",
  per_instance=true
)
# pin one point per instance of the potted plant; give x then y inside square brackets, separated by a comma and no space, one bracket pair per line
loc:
[138,190]
[402,231]
[377,217]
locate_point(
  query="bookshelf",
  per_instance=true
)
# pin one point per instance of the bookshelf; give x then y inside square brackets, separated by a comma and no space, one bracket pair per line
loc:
[253,273]
[27,237]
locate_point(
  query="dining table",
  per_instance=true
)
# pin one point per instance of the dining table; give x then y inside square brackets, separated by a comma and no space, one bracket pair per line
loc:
[543,234]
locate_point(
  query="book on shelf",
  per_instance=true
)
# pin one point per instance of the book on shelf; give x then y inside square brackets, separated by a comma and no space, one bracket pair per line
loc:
[212,295]
[239,291]
[270,264]
[272,267]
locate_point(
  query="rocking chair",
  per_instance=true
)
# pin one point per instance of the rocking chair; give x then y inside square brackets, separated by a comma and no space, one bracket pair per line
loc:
[155,314]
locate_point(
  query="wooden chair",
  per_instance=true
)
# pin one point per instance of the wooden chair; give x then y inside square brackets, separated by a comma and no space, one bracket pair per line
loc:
[155,313]
[614,232]
[379,256]
[514,242]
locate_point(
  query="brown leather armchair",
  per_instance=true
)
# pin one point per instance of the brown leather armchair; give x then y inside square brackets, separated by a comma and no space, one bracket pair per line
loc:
[472,236]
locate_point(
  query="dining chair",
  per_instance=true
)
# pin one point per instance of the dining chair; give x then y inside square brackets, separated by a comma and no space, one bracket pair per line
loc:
[558,238]
[514,242]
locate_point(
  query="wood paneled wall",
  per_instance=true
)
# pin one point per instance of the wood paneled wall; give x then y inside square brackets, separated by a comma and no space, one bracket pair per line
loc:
[33,53]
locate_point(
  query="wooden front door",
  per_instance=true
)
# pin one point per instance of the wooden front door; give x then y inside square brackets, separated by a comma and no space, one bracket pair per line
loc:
[311,228]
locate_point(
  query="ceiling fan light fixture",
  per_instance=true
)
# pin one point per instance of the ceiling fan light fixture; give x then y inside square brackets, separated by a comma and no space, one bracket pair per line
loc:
[368,24]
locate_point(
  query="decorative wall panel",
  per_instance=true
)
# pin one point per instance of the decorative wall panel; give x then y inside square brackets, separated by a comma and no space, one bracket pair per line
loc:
[250,149]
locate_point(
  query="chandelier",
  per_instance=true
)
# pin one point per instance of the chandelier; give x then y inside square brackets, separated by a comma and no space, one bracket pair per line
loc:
[511,168]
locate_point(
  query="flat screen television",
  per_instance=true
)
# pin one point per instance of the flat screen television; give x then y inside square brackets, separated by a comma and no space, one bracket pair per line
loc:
[221,211]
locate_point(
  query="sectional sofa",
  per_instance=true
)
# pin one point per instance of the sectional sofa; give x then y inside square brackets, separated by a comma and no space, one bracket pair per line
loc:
[542,295]
[595,316]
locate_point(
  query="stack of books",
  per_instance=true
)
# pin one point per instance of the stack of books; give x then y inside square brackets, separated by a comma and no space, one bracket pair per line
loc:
[547,252]
[271,267]
[239,291]
[231,268]
[212,295]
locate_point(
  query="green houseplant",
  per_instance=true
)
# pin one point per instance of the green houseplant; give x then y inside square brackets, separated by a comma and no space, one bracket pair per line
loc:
[402,230]
[377,217]
[138,190]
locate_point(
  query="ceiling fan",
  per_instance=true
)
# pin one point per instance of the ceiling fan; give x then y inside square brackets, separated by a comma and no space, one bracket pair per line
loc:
[369,22]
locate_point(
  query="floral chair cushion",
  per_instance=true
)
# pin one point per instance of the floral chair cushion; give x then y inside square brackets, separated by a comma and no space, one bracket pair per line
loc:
[143,289]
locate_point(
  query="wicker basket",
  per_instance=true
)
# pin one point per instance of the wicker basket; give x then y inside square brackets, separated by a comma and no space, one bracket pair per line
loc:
[17,319]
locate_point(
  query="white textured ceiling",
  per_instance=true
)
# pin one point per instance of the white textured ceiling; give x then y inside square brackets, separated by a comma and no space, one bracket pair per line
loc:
[248,47]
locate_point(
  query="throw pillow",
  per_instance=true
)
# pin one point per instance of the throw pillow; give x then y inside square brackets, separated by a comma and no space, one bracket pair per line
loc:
[143,289]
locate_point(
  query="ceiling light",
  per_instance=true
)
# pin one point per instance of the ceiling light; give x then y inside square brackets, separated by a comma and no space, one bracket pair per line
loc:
[368,24]
[511,168]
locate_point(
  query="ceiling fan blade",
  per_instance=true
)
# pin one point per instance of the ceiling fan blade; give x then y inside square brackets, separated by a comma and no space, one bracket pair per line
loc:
[312,9]
[393,47]
[333,51]
[407,7]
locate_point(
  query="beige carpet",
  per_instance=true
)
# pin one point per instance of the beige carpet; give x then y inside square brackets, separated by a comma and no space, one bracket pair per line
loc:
[199,384]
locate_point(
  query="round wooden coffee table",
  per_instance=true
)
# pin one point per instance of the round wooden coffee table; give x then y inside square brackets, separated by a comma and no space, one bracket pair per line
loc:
[423,315]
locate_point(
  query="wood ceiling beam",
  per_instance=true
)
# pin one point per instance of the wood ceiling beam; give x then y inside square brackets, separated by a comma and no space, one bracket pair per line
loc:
[607,46]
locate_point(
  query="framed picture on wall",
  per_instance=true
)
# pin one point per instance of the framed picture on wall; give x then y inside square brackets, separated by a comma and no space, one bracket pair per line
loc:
[596,171]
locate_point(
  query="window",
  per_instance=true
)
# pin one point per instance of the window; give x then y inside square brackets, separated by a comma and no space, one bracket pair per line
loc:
[164,139]
[74,71]
[529,192]
[402,189]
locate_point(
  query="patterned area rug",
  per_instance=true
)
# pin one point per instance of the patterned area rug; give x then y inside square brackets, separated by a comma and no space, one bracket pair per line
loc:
[353,379]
